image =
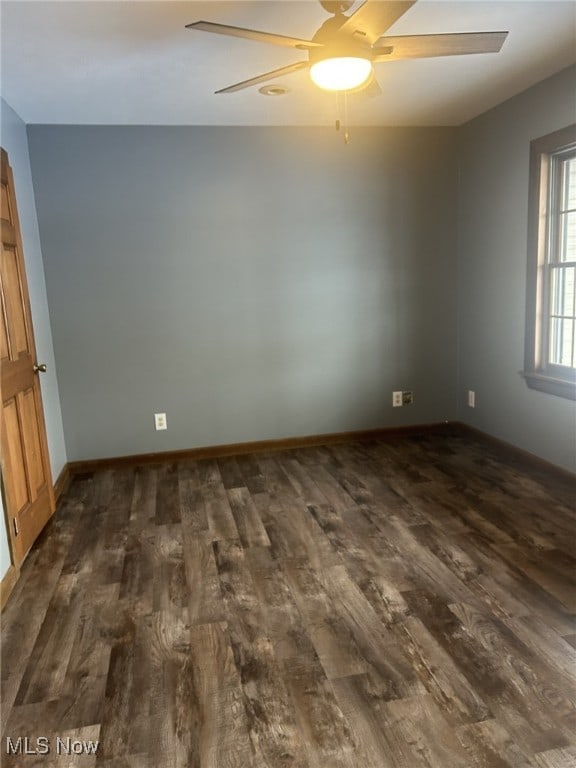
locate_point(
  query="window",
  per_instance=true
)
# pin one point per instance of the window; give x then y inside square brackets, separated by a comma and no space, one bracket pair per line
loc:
[550,364]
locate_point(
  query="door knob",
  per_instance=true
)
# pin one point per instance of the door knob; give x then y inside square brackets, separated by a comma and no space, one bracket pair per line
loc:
[39,368]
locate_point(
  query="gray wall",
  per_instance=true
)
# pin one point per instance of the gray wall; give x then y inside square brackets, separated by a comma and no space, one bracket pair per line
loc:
[13,139]
[251,283]
[494,161]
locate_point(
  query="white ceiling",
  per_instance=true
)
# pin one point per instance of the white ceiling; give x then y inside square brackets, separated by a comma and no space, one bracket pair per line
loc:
[132,62]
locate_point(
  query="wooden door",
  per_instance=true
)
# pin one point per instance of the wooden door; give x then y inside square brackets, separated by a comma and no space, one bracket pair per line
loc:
[28,491]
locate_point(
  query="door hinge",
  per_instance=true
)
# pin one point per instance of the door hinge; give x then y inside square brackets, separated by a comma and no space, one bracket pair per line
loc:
[15,522]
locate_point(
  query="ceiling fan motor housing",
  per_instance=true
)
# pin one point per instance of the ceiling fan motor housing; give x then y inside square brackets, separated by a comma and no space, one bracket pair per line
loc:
[333,43]
[329,30]
[336,6]
[340,49]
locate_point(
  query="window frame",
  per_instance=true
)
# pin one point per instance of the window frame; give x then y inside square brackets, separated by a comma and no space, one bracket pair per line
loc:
[539,374]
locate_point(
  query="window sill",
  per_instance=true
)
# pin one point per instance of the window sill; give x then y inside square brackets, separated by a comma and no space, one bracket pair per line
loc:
[550,384]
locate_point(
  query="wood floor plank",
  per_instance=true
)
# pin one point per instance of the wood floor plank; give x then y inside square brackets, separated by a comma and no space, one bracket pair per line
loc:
[167,495]
[542,640]
[251,473]
[137,579]
[215,707]
[205,603]
[427,570]
[538,568]
[369,473]
[86,675]
[489,745]
[448,551]
[361,701]
[570,639]
[269,713]
[386,599]
[46,669]
[324,730]
[230,473]
[170,587]
[208,472]
[221,523]
[277,481]
[248,522]
[376,645]
[481,668]
[125,714]
[509,592]
[525,726]
[556,758]
[143,504]
[268,506]
[302,481]
[447,684]
[368,556]
[285,624]
[550,707]
[554,529]
[294,534]
[31,598]
[419,735]
[332,641]
[331,489]
[192,507]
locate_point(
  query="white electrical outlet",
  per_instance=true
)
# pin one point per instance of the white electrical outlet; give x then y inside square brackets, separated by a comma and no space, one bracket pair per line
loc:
[471,398]
[397,399]
[160,421]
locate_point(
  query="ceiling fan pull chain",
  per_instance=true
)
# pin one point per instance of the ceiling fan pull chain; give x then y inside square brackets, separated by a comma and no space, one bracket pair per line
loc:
[338,111]
[346,132]
[342,123]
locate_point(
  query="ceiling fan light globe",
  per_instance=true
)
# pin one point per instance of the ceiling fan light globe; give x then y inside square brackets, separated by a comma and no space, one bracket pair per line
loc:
[341,73]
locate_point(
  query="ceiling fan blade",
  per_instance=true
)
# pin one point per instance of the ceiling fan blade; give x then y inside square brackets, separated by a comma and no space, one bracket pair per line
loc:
[253,34]
[265,77]
[424,46]
[373,18]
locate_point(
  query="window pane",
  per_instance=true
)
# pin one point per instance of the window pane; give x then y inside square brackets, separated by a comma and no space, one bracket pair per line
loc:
[562,291]
[569,200]
[557,292]
[561,342]
[568,236]
[569,289]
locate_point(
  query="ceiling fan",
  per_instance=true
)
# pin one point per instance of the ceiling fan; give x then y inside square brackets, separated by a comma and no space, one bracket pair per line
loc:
[343,51]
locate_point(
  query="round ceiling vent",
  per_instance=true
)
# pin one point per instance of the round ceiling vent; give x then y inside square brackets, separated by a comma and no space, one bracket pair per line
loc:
[273,90]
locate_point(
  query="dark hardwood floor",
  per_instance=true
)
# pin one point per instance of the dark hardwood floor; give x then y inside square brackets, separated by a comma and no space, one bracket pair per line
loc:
[390,604]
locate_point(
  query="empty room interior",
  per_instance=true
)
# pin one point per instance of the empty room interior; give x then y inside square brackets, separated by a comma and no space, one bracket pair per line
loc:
[288,384]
